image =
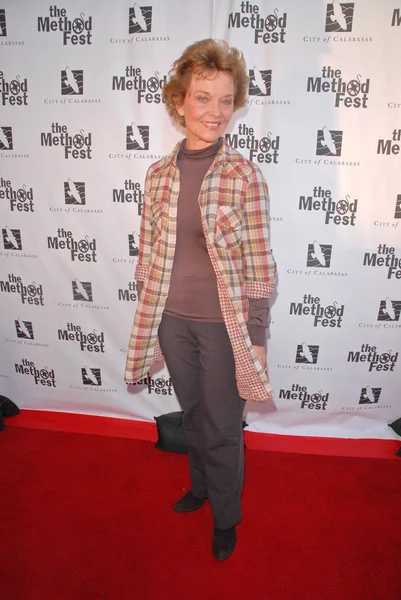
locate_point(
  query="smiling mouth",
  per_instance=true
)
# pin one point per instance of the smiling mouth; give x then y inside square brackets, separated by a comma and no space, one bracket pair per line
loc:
[211,124]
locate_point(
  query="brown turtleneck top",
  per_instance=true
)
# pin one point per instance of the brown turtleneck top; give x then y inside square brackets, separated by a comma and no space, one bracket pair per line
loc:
[193,291]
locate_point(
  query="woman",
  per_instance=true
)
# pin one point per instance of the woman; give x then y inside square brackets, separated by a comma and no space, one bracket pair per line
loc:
[207,271]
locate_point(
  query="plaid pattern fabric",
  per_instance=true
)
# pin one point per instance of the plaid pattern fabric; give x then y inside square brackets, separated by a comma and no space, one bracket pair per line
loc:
[234,212]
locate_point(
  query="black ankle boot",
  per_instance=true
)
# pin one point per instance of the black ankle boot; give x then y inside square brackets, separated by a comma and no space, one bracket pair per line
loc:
[223,543]
[188,503]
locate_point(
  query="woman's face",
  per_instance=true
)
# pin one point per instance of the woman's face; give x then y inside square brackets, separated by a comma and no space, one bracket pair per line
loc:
[207,108]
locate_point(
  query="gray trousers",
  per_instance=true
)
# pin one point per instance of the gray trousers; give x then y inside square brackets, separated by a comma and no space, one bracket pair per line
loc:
[200,360]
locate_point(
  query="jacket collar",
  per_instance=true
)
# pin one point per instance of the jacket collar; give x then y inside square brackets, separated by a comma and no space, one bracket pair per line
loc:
[225,154]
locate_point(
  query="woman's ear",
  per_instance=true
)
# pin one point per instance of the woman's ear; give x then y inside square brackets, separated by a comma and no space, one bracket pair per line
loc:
[179,108]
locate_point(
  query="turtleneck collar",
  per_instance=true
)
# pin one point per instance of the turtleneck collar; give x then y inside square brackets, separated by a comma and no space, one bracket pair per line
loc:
[203,152]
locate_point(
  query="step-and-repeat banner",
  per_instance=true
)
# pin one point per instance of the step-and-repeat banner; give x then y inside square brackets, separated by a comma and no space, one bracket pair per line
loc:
[81,120]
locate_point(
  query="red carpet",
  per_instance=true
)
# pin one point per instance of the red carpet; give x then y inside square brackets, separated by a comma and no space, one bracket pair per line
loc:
[89,517]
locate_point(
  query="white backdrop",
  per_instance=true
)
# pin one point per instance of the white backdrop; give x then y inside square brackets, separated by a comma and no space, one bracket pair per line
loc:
[81,119]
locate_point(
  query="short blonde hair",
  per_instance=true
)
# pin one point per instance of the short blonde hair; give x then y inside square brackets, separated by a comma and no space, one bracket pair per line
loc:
[205,57]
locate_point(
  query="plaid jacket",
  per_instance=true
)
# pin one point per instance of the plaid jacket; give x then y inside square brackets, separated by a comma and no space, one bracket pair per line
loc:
[234,213]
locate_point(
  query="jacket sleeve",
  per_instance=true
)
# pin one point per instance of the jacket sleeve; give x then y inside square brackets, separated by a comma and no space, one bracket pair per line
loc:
[258,261]
[145,236]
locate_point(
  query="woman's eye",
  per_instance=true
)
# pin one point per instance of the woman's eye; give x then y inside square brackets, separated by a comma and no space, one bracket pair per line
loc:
[228,102]
[202,98]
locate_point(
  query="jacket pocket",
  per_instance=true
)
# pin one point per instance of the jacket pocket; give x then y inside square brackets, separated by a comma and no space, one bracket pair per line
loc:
[227,232]
[156,218]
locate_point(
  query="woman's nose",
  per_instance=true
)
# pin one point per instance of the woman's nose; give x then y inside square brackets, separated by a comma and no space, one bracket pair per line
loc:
[214,108]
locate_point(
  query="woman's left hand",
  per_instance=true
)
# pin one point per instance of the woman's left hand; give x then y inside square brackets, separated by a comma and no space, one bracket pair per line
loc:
[260,355]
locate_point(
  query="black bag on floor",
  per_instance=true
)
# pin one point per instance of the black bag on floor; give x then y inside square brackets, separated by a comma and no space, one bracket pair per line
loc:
[8,407]
[396,426]
[171,437]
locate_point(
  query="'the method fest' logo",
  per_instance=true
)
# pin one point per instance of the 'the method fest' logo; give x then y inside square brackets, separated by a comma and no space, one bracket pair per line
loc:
[353,93]
[373,359]
[343,212]
[83,250]
[13,92]
[77,32]
[325,316]
[43,376]
[130,293]
[384,257]
[262,149]
[269,29]
[131,192]
[147,90]
[77,146]
[21,199]
[90,342]
[30,294]
[387,146]
[315,401]
[160,385]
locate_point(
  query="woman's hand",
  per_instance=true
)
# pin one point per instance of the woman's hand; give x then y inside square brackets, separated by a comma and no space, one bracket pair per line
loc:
[260,355]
